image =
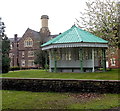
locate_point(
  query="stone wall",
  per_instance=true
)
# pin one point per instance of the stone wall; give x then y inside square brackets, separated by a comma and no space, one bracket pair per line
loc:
[61,85]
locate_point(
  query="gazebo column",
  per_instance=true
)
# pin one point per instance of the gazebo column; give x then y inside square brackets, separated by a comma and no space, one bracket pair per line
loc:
[46,60]
[104,59]
[55,61]
[93,61]
[50,58]
[81,59]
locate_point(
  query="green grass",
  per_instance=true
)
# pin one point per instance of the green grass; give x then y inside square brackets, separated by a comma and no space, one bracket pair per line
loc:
[50,100]
[110,75]
[108,101]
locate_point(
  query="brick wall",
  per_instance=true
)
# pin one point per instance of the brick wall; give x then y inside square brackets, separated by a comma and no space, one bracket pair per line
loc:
[114,59]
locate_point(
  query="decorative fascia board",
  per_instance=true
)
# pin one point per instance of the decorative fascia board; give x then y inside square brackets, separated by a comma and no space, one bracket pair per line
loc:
[100,45]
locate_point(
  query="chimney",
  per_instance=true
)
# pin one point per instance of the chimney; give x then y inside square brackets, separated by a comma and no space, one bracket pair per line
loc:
[44,21]
[44,31]
[15,37]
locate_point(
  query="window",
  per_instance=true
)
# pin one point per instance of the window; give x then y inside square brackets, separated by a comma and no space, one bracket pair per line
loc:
[10,55]
[112,61]
[11,46]
[22,63]
[30,53]
[28,42]
[87,53]
[96,53]
[31,63]
[76,53]
[23,53]
[66,54]
[62,54]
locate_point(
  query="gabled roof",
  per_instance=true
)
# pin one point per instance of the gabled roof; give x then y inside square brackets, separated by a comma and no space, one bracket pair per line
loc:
[34,33]
[75,35]
[50,37]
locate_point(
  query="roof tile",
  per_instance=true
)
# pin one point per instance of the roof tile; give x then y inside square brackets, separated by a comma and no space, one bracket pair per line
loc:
[73,35]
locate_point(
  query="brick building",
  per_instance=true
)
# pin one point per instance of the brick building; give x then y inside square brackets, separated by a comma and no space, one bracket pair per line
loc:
[23,48]
[114,58]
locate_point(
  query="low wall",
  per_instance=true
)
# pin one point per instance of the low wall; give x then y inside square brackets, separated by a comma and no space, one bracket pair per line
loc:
[61,85]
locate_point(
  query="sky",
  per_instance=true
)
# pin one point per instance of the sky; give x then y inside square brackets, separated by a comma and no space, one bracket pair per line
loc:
[18,15]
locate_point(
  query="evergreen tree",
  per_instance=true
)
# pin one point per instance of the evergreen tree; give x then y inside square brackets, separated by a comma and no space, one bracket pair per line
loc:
[40,58]
[5,46]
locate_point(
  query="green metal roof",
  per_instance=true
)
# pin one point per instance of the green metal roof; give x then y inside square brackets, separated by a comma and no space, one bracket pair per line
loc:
[75,35]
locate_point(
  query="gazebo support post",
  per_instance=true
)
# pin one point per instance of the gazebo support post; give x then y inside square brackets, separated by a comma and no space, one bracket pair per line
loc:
[55,62]
[46,61]
[50,58]
[104,60]
[93,61]
[81,59]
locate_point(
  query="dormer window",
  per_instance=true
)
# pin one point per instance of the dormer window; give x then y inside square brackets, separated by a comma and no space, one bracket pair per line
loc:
[28,42]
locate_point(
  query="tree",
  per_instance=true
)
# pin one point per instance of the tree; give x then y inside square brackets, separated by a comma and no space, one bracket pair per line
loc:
[41,57]
[1,46]
[5,46]
[101,18]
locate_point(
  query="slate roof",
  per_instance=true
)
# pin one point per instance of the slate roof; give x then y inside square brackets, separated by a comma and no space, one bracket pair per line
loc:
[49,38]
[12,39]
[36,35]
[75,35]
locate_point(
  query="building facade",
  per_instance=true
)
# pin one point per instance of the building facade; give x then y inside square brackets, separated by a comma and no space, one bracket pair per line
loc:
[23,48]
[114,58]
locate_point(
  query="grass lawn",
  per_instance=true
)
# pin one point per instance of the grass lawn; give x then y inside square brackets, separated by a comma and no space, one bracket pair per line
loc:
[109,75]
[50,100]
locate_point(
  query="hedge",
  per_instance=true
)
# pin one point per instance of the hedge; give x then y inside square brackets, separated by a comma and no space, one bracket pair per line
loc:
[20,68]
[14,68]
[61,85]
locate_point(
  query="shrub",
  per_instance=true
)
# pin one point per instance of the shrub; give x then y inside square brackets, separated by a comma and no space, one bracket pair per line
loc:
[14,68]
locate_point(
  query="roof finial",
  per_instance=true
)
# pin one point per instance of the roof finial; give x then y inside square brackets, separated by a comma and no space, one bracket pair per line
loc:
[73,24]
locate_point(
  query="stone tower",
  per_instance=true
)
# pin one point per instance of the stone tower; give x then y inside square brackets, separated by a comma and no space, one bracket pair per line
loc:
[44,31]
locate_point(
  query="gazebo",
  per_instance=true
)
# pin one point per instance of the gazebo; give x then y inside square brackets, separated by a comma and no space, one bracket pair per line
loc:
[76,50]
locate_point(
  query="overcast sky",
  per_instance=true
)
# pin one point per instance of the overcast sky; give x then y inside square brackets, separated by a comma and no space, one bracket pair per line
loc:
[18,15]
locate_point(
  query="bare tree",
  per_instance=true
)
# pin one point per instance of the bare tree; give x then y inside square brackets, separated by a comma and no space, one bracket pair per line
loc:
[101,18]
